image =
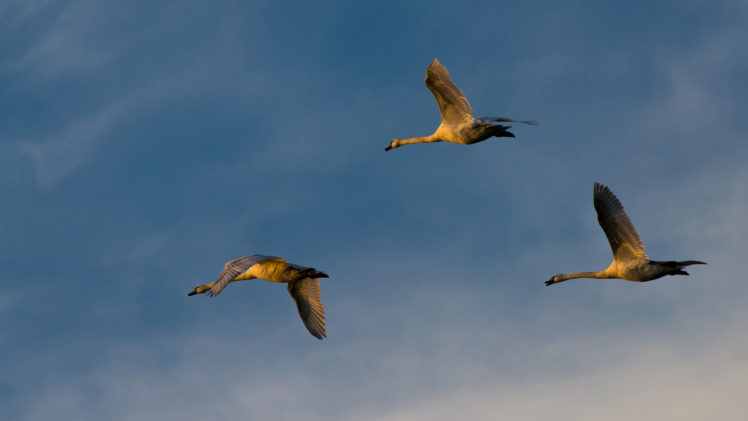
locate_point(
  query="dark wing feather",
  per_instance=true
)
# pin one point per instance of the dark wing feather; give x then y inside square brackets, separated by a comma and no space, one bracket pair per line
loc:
[232,269]
[622,236]
[453,106]
[305,293]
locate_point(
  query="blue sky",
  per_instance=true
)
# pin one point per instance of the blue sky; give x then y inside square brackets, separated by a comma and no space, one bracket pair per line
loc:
[143,145]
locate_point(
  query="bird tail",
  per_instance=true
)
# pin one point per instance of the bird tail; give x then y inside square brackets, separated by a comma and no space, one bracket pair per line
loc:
[312,273]
[676,268]
[497,130]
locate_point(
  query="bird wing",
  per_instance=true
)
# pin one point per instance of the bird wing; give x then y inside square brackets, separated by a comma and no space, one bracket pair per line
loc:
[623,238]
[453,105]
[306,294]
[233,268]
[486,120]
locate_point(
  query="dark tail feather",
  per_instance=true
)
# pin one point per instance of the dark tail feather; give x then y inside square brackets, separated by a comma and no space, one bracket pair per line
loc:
[690,262]
[501,131]
[313,273]
[676,268]
[678,265]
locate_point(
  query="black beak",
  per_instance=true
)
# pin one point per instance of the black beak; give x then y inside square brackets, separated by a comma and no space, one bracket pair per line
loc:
[387,148]
[192,293]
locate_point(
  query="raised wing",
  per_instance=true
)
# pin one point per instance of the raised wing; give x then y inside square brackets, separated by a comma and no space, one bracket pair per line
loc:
[507,120]
[623,238]
[306,294]
[453,105]
[233,268]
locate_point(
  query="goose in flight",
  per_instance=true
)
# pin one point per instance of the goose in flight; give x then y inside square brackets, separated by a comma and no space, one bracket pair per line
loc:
[630,262]
[303,285]
[458,124]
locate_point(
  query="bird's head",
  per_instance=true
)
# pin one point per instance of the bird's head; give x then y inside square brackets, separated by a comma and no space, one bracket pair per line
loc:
[394,144]
[200,289]
[552,281]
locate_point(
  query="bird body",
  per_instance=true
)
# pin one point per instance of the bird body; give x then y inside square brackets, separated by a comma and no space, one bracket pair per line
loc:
[630,261]
[303,285]
[272,269]
[458,124]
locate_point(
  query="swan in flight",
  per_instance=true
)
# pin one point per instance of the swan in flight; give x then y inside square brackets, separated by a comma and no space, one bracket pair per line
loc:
[630,262]
[303,285]
[458,124]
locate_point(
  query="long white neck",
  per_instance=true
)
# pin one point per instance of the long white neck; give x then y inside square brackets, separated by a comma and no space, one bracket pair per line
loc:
[424,139]
[566,276]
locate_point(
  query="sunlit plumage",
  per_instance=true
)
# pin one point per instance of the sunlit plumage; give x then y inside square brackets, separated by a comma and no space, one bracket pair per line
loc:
[458,124]
[303,285]
[630,262]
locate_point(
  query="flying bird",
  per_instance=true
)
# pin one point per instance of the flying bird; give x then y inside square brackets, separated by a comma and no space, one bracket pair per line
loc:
[458,124]
[303,285]
[630,262]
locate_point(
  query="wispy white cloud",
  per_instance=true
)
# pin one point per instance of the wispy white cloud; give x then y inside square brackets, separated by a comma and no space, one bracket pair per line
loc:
[71,43]
[58,156]
[658,381]
[16,13]
[695,99]
[221,64]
